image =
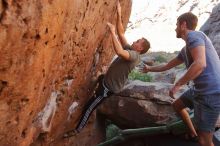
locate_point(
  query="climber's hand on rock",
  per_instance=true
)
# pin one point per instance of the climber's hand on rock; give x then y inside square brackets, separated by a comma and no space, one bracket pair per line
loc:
[111,27]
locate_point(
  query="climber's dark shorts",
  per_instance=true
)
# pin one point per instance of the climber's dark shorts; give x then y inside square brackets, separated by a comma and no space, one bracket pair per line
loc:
[206,109]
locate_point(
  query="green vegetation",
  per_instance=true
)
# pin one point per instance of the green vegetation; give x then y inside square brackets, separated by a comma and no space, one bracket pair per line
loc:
[136,75]
[160,59]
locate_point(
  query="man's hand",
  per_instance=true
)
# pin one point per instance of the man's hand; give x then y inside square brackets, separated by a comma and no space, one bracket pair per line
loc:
[111,27]
[119,9]
[146,69]
[174,90]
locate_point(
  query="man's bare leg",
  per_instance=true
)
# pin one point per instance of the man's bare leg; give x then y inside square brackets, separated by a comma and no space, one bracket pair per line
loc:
[180,109]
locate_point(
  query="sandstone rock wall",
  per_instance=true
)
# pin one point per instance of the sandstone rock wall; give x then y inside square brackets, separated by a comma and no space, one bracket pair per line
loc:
[49,52]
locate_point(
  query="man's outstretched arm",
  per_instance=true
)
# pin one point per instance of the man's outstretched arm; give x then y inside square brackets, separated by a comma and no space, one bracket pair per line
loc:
[117,45]
[120,27]
[163,67]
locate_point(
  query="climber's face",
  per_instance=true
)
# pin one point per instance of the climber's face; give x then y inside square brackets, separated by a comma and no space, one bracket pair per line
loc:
[137,45]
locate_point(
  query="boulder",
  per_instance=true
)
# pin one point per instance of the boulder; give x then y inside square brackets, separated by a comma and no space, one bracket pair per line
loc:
[140,104]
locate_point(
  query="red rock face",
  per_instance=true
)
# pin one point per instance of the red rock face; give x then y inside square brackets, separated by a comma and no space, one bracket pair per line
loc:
[49,52]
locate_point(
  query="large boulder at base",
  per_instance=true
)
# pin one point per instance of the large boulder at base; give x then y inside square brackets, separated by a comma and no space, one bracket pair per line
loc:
[140,104]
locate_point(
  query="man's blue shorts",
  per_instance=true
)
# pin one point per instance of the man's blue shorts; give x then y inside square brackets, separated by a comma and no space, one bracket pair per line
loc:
[206,109]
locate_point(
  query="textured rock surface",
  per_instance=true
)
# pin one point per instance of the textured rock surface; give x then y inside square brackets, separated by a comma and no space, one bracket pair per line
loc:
[49,51]
[140,104]
[212,27]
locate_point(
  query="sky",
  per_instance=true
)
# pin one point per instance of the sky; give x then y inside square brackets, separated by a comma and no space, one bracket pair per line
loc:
[159,21]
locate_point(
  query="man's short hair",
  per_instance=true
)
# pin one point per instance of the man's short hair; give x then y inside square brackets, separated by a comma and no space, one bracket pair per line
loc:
[145,45]
[190,19]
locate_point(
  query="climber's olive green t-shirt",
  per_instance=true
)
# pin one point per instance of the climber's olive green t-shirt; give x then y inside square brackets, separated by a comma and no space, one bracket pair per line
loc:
[118,71]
